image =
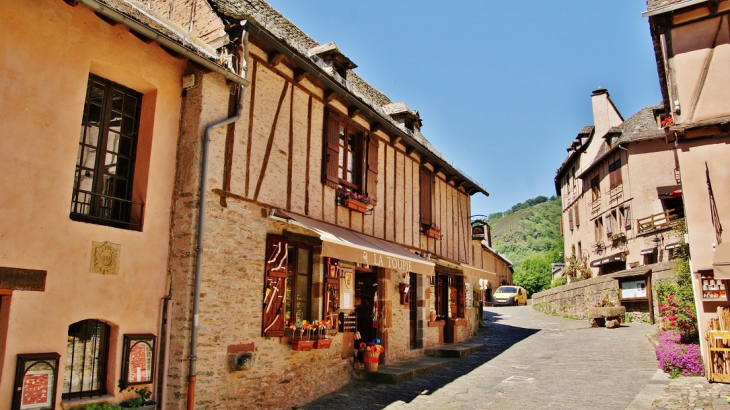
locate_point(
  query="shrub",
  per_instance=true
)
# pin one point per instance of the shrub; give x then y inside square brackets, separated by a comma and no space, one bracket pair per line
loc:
[677,358]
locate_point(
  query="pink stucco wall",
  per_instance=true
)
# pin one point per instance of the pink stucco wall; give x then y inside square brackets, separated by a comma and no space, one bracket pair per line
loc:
[47,51]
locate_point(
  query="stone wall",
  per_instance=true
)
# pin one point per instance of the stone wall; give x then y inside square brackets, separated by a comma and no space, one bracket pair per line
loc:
[574,299]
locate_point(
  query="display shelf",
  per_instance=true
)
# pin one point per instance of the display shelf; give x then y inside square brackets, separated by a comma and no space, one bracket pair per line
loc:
[714,290]
[718,346]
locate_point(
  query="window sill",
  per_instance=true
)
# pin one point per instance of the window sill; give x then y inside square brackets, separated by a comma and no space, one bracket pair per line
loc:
[73,403]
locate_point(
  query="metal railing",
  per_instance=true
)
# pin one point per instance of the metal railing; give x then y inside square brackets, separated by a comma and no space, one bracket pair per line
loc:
[106,210]
[595,206]
[668,218]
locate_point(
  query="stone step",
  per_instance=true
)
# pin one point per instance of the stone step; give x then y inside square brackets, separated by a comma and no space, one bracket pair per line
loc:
[402,371]
[456,351]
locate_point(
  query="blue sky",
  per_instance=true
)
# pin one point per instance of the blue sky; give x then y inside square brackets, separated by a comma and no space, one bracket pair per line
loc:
[502,86]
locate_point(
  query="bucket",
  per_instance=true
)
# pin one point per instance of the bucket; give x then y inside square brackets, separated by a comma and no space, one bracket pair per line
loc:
[371,361]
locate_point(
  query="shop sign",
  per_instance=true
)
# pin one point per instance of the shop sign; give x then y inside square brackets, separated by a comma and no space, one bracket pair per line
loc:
[477,232]
[385,261]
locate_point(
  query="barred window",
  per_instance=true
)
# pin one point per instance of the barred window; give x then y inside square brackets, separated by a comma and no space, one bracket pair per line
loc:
[86,359]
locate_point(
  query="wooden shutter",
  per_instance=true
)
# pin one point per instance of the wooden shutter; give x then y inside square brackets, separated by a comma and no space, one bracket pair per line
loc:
[461,308]
[617,179]
[608,224]
[331,151]
[627,217]
[577,216]
[277,259]
[570,218]
[426,190]
[371,177]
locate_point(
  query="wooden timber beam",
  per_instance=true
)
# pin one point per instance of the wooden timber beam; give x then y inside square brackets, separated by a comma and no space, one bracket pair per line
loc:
[352,111]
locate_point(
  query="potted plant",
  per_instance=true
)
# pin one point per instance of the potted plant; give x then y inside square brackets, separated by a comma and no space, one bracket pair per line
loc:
[371,354]
[301,343]
[432,231]
[322,340]
[142,401]
[356,202]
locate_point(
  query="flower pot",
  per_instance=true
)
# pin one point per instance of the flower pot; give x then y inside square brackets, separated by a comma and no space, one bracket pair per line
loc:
[432,317]
[301,345]
[355,205]
[432,233]
[371,360]
[322,343]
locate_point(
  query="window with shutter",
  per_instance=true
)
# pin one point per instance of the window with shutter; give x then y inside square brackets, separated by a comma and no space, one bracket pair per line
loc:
[609,229]
[570,219]
[614,172]
[275,298]
[344,164]
[426,196]
[627,217]
[595,188]
[577,216]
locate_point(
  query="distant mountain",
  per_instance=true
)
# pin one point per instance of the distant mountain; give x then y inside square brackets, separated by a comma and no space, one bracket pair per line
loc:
[528,228]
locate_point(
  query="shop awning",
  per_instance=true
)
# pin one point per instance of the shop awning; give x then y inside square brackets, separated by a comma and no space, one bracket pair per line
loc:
[341,243]
[648,251]
[617,257]
[671,191]
[721,261]
[672,246]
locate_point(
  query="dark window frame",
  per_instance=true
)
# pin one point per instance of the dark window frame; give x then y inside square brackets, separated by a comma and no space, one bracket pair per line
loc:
[614,172]
[291,287]
[427,187]
[130,341]
[335,170]
[108,162]
[100,349]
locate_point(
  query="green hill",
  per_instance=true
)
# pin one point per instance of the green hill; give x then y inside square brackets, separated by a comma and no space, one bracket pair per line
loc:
[530,231]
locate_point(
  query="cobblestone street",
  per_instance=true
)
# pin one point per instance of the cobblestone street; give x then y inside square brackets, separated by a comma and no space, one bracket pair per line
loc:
[531,360]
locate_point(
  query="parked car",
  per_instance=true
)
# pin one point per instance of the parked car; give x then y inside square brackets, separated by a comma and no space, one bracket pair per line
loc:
[509,296]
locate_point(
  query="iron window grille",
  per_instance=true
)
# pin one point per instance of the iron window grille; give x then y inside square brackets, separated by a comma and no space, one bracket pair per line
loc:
[102,191]
[86,359]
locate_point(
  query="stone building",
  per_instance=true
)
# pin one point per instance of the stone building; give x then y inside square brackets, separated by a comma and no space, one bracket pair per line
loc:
[90,109]
[692,50]
[321,200]
[619,191]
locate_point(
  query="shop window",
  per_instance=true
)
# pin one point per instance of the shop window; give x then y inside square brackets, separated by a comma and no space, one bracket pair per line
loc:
[614,174]
[298,284]
[426,185]
[105,162]
[450,296]
[86,359]
[350,158]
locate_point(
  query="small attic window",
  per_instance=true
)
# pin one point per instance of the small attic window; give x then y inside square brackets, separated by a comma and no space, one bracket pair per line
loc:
[333,57]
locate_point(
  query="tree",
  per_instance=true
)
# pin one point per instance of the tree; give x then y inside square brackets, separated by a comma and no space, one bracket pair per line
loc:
[534,274]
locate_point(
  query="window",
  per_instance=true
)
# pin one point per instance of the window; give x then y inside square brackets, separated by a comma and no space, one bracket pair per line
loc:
[570,218]
[614,174]
[102,190]
[579,252]
[598,229]
[595,188]
[351,157]
[626,211]
[298,283]
[137,359]
[577,216]
[427,182]
[86,357]
[608,224]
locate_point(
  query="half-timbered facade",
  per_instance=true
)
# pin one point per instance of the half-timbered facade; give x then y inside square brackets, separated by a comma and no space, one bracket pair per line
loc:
[321,201]
[692,51]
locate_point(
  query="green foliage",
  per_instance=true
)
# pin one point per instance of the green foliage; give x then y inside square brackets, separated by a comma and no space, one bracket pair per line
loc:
[575,270]
[143,397]
[559,282]
[525,230]
[533,274]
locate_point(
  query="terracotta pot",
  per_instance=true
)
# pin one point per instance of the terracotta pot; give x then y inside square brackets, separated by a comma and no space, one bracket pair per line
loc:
[355,205]
[322,343]
[301,345]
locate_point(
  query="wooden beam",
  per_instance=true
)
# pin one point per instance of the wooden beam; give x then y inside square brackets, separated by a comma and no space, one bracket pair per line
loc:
[352,111]
[275,58]
[425,160]
[375,126]
[394,140]
[22,279]
[106,19]
[437,168]
[300,75]
[329,95]
[142,38]
[410,149]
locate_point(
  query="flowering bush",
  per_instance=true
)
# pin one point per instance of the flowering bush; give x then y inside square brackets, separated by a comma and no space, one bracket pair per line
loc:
[358,197]
[678,314]
[677,358]
[373,346]
[605,302]
[436,227]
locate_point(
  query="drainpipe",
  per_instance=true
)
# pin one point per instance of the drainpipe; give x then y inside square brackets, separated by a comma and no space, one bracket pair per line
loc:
[201,223]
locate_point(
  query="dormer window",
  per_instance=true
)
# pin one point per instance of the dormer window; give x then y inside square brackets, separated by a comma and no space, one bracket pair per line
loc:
[333,58]
[401,114]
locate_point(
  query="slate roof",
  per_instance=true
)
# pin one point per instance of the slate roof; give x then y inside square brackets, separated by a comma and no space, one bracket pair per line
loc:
[265,16]
[640,126]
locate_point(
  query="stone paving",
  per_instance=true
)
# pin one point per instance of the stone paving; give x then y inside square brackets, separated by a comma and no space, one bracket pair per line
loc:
[530,361]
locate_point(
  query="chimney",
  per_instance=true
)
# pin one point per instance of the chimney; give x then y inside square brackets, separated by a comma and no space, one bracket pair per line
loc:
[605,114]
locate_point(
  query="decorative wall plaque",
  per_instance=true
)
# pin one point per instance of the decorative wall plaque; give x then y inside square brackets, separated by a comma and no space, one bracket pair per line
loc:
[105,258]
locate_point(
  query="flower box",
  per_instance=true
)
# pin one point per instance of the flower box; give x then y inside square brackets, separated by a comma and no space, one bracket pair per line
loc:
[355,205]
[301,345]
[322,343]
[432,233]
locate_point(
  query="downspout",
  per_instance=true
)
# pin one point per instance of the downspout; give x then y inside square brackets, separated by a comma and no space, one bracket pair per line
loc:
[201,223]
